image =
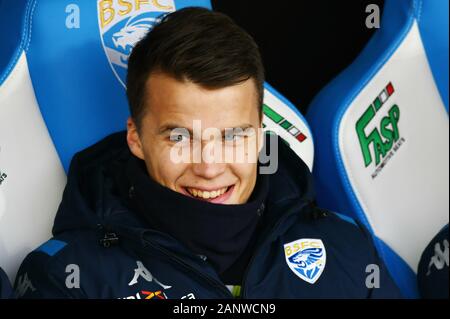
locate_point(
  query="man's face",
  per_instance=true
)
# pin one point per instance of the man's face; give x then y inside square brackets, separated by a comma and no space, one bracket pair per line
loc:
[170,127]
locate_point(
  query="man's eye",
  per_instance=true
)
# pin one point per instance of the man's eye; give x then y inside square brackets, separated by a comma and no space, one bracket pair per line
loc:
[233,137]
[179,138]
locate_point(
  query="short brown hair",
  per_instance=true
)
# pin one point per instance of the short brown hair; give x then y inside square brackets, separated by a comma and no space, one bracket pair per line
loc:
[198,45]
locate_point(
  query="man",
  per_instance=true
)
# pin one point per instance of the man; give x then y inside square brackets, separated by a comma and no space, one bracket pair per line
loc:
[148,214]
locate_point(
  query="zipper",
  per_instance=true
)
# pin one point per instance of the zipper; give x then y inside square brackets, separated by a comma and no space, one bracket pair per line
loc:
[211,281]
[260,247]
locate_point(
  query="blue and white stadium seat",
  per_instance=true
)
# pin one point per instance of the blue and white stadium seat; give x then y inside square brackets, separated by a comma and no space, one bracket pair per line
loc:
[62,74]
[381,133]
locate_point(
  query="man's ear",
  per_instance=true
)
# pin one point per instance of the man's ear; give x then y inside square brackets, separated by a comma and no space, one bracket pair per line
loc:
[133,139]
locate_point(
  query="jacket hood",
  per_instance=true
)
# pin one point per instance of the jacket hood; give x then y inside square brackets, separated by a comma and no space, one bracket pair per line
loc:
[91,196]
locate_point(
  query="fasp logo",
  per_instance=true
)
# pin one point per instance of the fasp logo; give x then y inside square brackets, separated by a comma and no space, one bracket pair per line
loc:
[123,23]
[379,139]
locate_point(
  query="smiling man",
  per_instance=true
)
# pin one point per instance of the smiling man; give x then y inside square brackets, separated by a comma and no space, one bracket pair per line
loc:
[173,106]
[177,206]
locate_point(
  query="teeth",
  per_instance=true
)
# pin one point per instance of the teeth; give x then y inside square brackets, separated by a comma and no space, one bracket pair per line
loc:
[206,194]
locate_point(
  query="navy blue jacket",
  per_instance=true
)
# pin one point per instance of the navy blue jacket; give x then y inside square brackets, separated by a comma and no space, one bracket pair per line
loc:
[101,249]
[5,286]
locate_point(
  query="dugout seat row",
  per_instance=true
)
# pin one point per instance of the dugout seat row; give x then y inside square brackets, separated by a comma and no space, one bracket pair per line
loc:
[380,151]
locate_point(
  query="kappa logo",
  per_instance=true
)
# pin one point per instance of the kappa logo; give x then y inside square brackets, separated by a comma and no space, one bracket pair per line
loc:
[143,272]
[123,23]
[24,284]
[306,258]
[440,258]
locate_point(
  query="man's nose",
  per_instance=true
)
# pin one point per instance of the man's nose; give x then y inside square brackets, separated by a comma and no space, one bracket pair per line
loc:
[208,170]
[209,163]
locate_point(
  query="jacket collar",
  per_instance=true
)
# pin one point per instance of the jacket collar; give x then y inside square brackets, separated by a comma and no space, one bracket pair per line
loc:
[91,197]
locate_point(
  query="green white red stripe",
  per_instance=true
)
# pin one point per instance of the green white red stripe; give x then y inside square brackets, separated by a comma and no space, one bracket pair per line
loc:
[382,98]
[285,124]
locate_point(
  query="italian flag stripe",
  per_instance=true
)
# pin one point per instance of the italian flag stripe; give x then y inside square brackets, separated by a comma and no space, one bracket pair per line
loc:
[301,137]
[274,116]
[390,89]
[277,118]
[286,125]
[383,97]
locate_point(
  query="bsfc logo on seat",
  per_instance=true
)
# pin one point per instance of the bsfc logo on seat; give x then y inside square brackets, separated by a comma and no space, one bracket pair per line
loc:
[306,258]
[123,23]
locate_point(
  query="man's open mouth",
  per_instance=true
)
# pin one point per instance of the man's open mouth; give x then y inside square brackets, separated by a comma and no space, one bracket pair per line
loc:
[215,196]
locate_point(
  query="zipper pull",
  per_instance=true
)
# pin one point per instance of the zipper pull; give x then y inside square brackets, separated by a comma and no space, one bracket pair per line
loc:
[109,238]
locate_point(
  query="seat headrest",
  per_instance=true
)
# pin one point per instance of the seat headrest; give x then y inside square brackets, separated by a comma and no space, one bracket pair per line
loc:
[381,130]
[62,75]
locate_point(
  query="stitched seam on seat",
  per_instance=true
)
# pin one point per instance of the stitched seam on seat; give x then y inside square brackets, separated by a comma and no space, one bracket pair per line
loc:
[20,47]
[30,29]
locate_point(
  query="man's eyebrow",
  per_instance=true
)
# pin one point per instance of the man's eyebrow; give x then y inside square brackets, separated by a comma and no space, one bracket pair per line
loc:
[167,128]
[243,127]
